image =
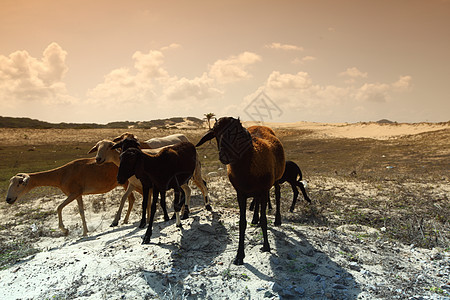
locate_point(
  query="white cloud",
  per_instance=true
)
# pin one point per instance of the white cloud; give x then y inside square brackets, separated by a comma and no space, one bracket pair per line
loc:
[150,64]
[121,87]
[234,68]
[298,61]
[199,88]
[171,46]
[301,80]
[403,83]
[26,78]
[298,94]
[353,73]
[279,46]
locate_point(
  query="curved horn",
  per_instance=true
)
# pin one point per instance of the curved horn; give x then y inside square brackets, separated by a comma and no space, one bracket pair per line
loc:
[208,136]
[93,149]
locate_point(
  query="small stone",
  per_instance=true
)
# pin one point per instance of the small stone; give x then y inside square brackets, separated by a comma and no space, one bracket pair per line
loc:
[354,266]
[299,290]
[339,286]
[276,287]
[318,277]
[291,256]
[268,294]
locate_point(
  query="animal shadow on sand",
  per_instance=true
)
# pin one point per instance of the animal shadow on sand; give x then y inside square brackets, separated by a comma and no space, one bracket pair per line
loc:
[301,270]
[198,248]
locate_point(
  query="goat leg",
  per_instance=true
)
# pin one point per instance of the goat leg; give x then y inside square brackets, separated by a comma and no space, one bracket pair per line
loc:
[162,202]
[302,188]
[145,191]
[277,203]
[177,206]
[148,233]
[242,200]
[187,201]
[263,221]
[294,199]
[128,192]
[255,219]
[81,210]
[69,199]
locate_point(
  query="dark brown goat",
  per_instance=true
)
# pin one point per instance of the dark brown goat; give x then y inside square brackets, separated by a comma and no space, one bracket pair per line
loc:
[170,168]
[255,159]
[131,142]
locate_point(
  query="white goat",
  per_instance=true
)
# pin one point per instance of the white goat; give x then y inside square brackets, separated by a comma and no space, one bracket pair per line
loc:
[76,178]
[170,140]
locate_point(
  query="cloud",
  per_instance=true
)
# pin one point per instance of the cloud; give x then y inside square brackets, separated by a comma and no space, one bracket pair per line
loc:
[403,83]
[198,88]
[171,46]
[26,78]
[150,64]
[234,68]
[298,93]
[276,80]
[353,73]
[279,46]
[150,83]
[298,61]
[122,87]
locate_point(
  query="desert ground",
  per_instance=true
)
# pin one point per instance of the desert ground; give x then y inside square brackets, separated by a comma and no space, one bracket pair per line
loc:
[377,227]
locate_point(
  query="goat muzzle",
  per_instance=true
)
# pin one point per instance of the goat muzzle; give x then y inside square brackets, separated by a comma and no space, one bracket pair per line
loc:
[10,200]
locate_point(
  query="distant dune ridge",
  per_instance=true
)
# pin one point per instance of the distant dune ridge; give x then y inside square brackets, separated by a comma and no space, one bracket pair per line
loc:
[381,130]
[175,122]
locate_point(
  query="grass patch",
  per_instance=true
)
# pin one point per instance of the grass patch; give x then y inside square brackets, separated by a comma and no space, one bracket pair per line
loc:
[12,252]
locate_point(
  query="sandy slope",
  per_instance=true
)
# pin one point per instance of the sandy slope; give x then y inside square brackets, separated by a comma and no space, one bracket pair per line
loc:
[196,262]
[361,130]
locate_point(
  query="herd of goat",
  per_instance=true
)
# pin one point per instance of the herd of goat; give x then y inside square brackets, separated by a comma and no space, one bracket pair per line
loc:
[254,157]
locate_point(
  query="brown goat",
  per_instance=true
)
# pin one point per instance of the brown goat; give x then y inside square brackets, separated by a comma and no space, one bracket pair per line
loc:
[76,178]
[255,159]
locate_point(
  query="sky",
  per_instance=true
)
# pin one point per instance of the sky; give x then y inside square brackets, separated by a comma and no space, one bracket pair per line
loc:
[272,61]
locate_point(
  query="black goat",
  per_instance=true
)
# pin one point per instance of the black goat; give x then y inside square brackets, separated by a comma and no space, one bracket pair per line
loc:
[293,175]
[170,168]
[126,144]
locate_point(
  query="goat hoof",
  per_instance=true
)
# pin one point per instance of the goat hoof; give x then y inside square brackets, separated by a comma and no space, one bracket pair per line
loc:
[184,216]
[180,225]
[277,223]
[166,218]
[142,224]
[208,207]
[114,224]
[291,209]
[146,240]
[238,261]
[265,248]
[255,223]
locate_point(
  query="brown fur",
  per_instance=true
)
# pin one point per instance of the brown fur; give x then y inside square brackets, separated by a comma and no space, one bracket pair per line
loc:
[76,178]
[253,168]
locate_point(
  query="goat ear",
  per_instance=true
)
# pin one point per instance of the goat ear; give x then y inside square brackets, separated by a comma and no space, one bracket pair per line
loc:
[119,138]
[117,145]
[208,136]
[24,180]
[93,149]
